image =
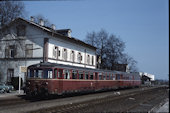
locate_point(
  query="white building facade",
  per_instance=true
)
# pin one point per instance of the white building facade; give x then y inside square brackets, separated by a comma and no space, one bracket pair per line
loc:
[23,43]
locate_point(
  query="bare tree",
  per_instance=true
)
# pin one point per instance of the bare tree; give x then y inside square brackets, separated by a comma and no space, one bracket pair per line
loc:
[110,49]
[91,38]
[114,50]
[132,64]
[99,40]
[9,10]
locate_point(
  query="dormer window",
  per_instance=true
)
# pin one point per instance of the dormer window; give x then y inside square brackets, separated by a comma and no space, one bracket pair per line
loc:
[21,30]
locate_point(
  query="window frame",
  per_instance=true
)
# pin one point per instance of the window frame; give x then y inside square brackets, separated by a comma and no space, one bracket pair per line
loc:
[29,51]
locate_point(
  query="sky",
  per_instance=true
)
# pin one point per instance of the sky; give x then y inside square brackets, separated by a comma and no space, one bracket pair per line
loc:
[142,24]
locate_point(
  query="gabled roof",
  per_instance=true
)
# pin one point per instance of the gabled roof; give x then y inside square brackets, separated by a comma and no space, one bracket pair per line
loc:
[51,32]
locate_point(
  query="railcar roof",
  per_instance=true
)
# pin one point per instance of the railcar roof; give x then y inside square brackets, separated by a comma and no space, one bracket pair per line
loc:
[55,65]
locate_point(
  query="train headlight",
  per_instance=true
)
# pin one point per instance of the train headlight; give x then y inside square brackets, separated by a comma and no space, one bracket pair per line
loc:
[46,83]
[29,83]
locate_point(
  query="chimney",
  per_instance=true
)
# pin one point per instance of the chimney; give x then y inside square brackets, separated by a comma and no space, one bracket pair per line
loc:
[41,22]
[53,27]
[69,33]
[32,19]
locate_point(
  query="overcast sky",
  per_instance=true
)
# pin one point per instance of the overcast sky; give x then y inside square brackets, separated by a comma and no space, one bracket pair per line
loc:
[142,24]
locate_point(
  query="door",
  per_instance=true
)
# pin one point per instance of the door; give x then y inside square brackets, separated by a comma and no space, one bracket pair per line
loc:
[10,74]
[96,80]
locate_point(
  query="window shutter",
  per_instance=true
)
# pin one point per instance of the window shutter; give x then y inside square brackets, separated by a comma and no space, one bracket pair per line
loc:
[6,52]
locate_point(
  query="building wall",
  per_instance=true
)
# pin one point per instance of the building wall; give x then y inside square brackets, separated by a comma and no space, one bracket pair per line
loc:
[35,36]
[61,45]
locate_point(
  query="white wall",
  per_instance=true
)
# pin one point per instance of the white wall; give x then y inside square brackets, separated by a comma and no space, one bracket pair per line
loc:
[36,36]
[62,44]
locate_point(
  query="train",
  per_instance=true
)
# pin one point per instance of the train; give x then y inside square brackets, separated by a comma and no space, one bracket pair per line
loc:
[50,78]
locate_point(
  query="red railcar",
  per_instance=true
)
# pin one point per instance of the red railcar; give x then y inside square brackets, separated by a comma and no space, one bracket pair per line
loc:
[51,78]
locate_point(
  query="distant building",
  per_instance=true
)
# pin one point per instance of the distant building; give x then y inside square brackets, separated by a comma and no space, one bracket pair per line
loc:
[151,76]
[146,78]
[23,43]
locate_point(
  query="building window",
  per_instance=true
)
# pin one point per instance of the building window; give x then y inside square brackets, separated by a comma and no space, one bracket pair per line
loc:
[10,51]
[64,54]
[10,74]
[59,53]
[92,60]
[55,51]
[88,59]
[79,58]
[29,50]
[21,30]
[72,56]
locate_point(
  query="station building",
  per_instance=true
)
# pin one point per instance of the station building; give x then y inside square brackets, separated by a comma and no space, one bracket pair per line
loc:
[24,42]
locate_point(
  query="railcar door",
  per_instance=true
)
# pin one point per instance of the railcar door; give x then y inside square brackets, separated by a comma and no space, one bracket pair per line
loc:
[133,80]
[60,82]
[96,80]
[119,79]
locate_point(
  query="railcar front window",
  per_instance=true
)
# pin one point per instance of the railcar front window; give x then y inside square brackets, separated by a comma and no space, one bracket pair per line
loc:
[48,73]
[37,73]
[30,73]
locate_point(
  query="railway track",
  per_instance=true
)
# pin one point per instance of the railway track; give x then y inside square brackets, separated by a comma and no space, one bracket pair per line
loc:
[114,101]
[130,102]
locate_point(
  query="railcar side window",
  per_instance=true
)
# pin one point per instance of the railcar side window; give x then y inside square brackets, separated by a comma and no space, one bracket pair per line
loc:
[108,77]
[74,74]
[118,77]
[100,76]
[91,75]
[86,75]
[104,76]
[55,73]
[60,73]
[66,74]
[114,77]
[48,73]
[80,74]
[96,74]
